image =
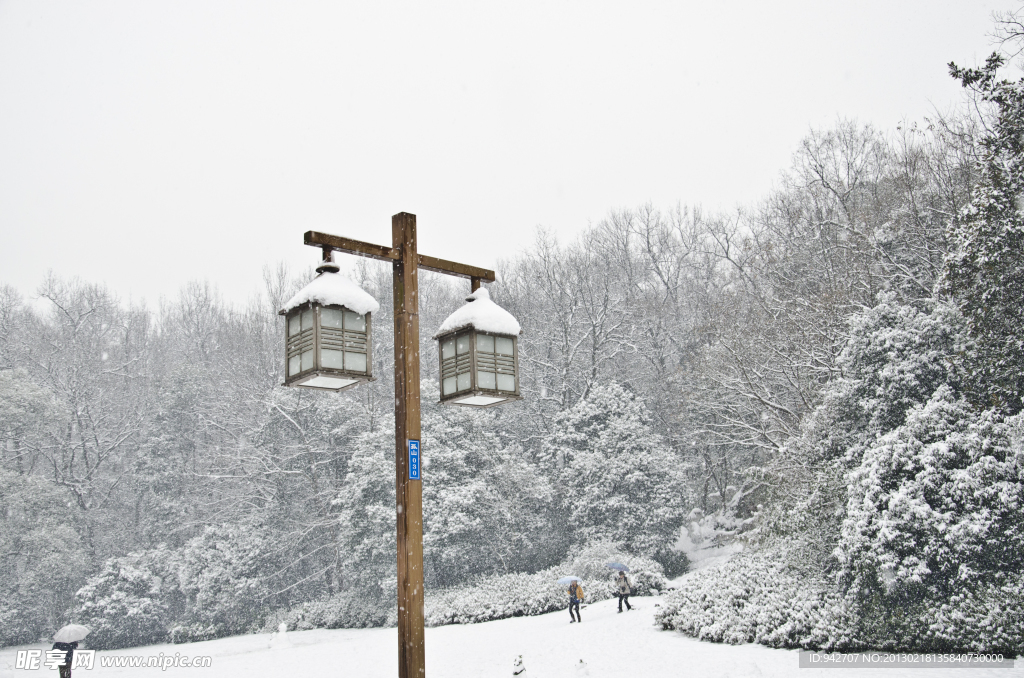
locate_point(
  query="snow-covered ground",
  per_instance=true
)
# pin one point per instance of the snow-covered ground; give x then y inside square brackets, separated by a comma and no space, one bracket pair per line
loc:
[610,644]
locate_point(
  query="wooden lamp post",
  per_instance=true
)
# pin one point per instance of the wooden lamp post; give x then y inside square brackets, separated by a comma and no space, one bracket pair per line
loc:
[406,262]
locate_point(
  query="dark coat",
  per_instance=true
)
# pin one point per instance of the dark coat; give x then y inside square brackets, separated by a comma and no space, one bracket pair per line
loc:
[69,648]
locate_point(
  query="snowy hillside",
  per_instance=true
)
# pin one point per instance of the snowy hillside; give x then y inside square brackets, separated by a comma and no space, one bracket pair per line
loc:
[611,645]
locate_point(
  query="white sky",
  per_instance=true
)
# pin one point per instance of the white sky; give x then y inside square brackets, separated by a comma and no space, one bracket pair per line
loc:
[146,144]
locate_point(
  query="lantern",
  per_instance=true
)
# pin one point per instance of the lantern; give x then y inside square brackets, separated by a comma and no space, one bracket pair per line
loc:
[328,339]
[479,354]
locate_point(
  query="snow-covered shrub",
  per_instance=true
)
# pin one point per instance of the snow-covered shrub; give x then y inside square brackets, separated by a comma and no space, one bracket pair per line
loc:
[353,609]
[754,598]
[986,618]
[195,632]
[484,599]
[519,595]
[759,598]
[499,597]
[129,603]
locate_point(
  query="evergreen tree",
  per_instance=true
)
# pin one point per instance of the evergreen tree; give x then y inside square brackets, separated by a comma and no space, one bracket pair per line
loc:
[620,481]
[984,268]
[365,508]
[486,508]
[132,600]
[42,557]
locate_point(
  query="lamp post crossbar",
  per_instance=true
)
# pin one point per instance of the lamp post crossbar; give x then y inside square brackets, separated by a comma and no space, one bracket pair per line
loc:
[406,262]
[359,248]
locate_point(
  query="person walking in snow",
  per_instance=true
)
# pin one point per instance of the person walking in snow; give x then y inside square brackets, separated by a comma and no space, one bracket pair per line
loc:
[622,581]
[64,670]
[575,598]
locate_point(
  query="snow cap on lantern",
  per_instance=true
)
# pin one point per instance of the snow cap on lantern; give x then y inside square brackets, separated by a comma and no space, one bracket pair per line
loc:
[328,340]
[479,354]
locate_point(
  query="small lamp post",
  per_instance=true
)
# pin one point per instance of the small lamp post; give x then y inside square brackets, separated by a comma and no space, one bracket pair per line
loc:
[479,354]
[328,340]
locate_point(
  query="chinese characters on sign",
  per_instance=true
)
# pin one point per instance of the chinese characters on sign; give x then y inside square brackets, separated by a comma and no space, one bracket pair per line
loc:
[414,460]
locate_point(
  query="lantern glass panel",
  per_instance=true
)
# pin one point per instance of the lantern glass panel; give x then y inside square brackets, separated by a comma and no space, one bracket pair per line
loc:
[504,345]
[332,359]
[307,361]
[293,324]
[485,343]
[448,386]
[355,362]
[463,382]
[485,380]
[462,345]
[293,363]
[331,317]
[307,319]
[506,382]
[447,349]
[355,322]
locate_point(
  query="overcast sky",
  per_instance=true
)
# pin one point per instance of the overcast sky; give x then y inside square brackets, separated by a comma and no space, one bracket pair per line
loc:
[145,144]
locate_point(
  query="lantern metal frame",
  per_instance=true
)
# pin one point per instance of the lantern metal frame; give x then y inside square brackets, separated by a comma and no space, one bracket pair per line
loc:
[327,337]
[501,364]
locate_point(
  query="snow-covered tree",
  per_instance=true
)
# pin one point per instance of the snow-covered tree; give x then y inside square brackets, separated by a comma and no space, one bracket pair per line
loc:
[227,576]
[935,504]
[985,265]
[42,557]
[896,357]
[365,512]
[131,601]
[26,413]
[933,518]
[619,480]
[487,509]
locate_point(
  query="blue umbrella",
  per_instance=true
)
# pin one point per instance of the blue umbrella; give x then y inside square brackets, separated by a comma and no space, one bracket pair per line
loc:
[617,566]
[568,580]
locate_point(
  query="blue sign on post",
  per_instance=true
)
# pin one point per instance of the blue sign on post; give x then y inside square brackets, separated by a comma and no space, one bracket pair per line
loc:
[414,460]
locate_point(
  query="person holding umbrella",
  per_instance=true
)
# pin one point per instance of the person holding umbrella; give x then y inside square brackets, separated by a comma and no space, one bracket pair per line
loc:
[66,640]
[622,581]
[624,588]
[575,598]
